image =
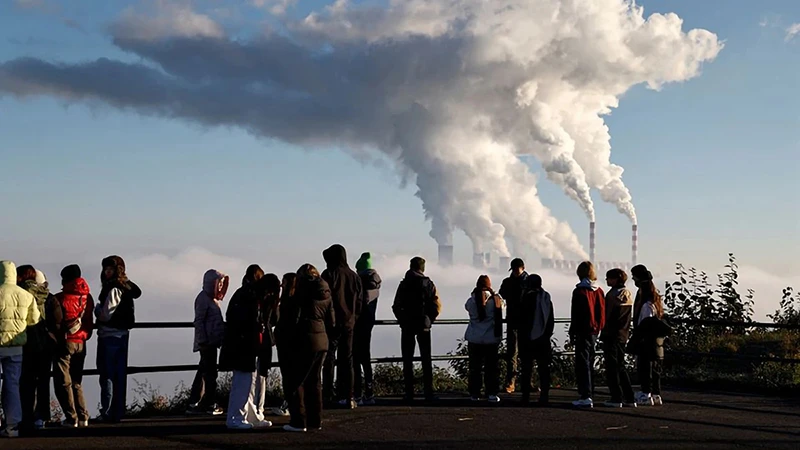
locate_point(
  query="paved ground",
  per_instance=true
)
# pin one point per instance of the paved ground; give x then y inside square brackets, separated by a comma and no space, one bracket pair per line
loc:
[687,420]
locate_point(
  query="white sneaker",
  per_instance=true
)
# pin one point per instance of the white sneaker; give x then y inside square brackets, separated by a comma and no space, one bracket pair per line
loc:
[262,424]
[281,411]
[39,424]
[612,404]
[294,429]
[644,399]
[630,405]
[83,423]
[494,399]
[657,400]
[583,403]
[240,426]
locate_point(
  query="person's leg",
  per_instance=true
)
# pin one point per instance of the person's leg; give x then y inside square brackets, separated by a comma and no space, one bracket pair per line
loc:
[626,389]
[526,368]
[491,372]
[344,365]
[77,363]
[197,393]
[284,365]
[313,393]
[512,353]
[582,356]
[120,380]
[544,358]
[63,383]
[656,367]
[27,384]
[12,371]
[424,340]
[103,367]
[329,371]
[359,339]
[645,373]
[241,383]
[591,344]
[475,364]
[612,367]
[366,357]
[407,347]
[44,367]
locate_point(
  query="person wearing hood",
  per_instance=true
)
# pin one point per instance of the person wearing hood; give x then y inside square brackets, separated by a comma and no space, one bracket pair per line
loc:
[536,326]
[647,341]
[209,330]
[37,358]
[615,334]
[306,323]
[18,311]
[348,298]
[483,336]
[416,307]
[511,290]
[362,338]
[115,314]
[587,319]
[241,347]
[72,327]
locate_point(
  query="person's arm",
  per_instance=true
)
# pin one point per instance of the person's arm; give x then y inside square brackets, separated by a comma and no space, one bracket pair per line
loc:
[397,306]
[376,279]
[551,320]
[200,313]
[330,320]
[34,316]
[134,290]
[87,321]
[360,296]
[574,313]
[106,308]
[436,303]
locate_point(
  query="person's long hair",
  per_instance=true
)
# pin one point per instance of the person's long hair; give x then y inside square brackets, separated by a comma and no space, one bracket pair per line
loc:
[252,274]
[118,264]
[484,284]
[25,273]
[650,294]
[288,284]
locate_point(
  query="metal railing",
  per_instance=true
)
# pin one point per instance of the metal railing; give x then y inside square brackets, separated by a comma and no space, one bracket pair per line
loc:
[133,370]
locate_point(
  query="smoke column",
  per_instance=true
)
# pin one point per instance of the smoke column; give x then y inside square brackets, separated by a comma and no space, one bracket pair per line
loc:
[452,92]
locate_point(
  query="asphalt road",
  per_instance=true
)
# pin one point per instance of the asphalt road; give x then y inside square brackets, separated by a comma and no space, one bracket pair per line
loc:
[687,420]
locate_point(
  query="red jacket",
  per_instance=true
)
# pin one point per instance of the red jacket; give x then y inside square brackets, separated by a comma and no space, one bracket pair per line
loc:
[75,304]
[588,311]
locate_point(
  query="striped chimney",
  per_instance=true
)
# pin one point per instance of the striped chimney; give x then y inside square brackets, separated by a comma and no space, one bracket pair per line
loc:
[592,241]
[634,244]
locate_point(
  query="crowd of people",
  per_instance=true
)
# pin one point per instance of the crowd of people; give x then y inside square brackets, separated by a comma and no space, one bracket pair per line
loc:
[320,325]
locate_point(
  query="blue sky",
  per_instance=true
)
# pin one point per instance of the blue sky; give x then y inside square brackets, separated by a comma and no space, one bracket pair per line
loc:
[712,162]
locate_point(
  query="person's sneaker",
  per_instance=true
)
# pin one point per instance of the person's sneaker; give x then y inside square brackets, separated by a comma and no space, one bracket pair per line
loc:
[612,404]
[295,429]
[39,424]
[66,423]
[583,403]
[510,387]
[629,404]
[240,426]
[643,399]
[657,400]
[83,423]
[282,411]
[10,432]
[214,411]
[494,399]
[348,404]
[367,401]
[262,424]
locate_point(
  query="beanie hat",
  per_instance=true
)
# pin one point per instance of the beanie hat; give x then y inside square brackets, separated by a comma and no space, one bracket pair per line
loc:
[418,264]
[71,272]
[40,278]
[365,262]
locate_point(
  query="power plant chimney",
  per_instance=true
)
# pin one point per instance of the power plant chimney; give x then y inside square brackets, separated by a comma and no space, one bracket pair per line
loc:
[487,259]
[445,255]
[634,244]
[592,255]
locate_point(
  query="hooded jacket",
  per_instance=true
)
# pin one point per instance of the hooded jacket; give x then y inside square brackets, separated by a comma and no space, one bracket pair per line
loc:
[416,303]
[209,327]
[619,311]
[73,317]
[537,320]
[347,294]
[310,316]
[483,330]
[18,310]
[370,280]
[512,290]
[37,334]
[588,315]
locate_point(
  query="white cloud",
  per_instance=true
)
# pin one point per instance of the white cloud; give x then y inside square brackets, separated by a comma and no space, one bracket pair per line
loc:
[792,31]
[276,7]
[164,20]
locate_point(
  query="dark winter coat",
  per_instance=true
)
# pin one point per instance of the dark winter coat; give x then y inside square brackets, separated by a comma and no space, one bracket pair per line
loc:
[308,317]
[242,342]
[648,338]
[416,303]
[512,290]
[371,284]
[345,285]
[123,317]
[536,317]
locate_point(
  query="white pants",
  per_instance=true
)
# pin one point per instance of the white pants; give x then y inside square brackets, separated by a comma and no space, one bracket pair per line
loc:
[242,403]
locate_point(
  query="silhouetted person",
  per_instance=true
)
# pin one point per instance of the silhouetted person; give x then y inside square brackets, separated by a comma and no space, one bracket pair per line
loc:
[536,326]
[484,334]
[416,307]
[347,297]
[511,290]
[587,318]
[649,331]
[362,338]
[619,310]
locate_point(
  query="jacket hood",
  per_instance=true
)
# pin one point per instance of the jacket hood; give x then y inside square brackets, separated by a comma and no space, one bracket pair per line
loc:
[414,274]
[215,284]
[38,291]
[587,284]
[365,262]
[8,272]
[78,286]
[316,289]
[335,256]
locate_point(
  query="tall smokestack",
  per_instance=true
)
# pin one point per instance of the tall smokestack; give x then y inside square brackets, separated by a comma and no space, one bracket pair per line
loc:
[445,255]
[634,244]
[592,226]
[487,259]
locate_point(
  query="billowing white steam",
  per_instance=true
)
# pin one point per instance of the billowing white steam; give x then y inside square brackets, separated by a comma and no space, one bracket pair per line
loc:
[454,90]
